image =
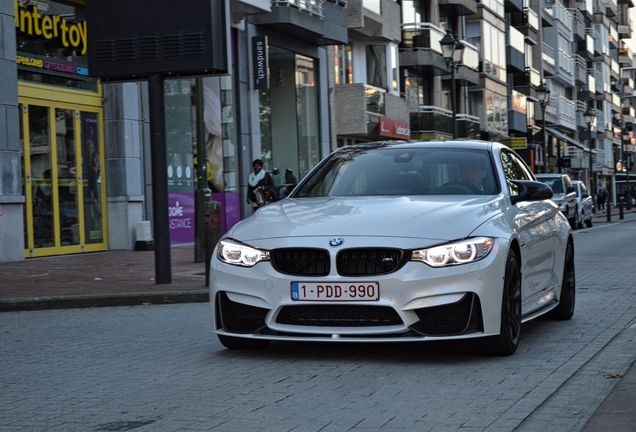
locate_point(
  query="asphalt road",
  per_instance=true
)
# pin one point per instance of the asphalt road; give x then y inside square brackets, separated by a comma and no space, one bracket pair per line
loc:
[159,368]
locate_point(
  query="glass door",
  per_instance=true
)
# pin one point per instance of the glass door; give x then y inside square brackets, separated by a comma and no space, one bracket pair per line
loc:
[64,191]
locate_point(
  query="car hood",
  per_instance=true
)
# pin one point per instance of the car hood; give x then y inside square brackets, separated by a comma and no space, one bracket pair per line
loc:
[427,217]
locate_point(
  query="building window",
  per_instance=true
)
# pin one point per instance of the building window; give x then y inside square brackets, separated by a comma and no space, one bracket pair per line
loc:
[492,44]
[376,66]
[343,64]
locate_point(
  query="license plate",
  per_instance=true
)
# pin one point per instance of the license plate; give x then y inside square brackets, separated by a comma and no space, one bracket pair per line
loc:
[335,291]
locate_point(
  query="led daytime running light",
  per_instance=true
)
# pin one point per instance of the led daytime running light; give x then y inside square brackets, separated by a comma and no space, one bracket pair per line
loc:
[235,253]
[462,252]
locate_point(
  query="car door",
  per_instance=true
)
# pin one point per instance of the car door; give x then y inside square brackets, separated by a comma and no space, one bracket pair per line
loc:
[570,197]
[535,225]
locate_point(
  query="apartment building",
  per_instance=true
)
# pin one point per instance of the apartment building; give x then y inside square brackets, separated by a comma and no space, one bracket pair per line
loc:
[364,76]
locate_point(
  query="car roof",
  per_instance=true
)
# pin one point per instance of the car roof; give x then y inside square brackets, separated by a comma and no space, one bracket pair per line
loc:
[548,175]
[458,144]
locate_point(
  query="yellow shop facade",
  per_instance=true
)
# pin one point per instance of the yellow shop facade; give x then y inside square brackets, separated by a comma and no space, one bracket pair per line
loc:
[61,131]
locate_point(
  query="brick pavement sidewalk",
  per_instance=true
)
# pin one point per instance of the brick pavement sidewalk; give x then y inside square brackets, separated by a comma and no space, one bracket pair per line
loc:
[99,279]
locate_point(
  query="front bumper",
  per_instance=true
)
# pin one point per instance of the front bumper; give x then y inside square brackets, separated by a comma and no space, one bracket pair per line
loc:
[416,303]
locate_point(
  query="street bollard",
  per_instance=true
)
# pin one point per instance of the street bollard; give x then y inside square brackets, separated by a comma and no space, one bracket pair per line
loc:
[620,208]
[212,232]
[608,206]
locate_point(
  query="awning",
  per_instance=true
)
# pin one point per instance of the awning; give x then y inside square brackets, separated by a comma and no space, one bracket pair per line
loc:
[566,138]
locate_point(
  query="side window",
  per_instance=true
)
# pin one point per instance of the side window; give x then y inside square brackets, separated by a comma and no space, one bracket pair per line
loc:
[514,169]
[583,189]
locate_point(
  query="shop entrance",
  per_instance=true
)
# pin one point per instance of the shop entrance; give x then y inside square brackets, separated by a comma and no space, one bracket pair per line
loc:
[63,166]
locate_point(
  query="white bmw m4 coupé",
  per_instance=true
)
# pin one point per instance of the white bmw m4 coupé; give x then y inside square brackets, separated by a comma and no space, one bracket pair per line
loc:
[398,242]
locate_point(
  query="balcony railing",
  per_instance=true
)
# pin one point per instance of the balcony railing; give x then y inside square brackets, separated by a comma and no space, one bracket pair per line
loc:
[313,7]
[374,99]
[535,76]
[516,40]
[580,106]
[580,62]
[562,14]
[589,43]
[430,118]
[422,35]
[566,66]
[600,7]
[468,126]
[532,17]
[616,99]
[586,6]
[566,111]
[577,15]
[616,67]
[471,56]
[591,80]
[548,55]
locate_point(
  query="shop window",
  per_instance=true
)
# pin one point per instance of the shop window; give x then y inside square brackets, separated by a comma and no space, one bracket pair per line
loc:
[343,64]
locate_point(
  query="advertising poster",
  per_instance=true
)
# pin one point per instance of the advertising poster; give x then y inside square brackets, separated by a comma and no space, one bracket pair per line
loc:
[181,176]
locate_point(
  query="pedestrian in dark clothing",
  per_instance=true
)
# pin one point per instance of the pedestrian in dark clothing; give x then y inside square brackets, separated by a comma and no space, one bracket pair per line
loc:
[260,187]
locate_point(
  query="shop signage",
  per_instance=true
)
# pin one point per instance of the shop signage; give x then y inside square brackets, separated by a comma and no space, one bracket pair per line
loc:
[260,60]
[51,65]
[393,129]
[31,21]
[518,143]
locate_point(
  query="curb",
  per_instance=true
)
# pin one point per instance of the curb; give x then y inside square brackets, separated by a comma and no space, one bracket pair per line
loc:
[131,299]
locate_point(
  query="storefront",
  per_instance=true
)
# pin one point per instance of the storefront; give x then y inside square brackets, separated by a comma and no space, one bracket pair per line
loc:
[61,131]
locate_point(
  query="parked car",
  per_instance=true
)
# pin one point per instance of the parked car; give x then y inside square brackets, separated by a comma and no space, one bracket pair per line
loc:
[564,194]
[584,204]
[385,242]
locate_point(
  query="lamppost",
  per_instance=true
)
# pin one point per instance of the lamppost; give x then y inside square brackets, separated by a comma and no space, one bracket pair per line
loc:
[624,158]
[589,115]
[452,51]
[543,94]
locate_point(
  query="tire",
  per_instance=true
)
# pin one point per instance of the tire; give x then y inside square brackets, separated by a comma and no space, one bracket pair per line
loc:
[237,343]
[567,300]
[507,341]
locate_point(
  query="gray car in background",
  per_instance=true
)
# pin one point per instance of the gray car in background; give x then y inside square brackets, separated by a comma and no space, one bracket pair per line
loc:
[564,194]
[584,204]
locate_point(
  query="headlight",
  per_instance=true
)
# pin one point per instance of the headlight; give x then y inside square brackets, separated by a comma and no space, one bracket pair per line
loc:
[461,252]
[232,252]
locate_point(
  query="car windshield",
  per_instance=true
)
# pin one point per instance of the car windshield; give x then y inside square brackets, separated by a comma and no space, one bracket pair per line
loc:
[402,171]
[554,182]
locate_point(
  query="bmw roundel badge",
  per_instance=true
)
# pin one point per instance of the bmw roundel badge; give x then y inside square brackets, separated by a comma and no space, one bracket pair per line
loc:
[336,241]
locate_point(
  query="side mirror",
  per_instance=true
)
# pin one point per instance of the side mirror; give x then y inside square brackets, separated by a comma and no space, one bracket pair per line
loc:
[531,191]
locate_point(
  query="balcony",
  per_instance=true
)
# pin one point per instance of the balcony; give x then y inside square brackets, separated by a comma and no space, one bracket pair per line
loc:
[531,18]
[420,47]
[317,21]
[625,57]
[565,68]
[586,7]
[581,108]
[431,120]
[450,8]
[625,30]
[566,112]
[374,19]
[549,59]
[468,126]
[579,23]
[578,158]
[516,50]
[563,20]
[468,71]
[615,69]
[628,87]
[612,37]
[364,105]
[580,69]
